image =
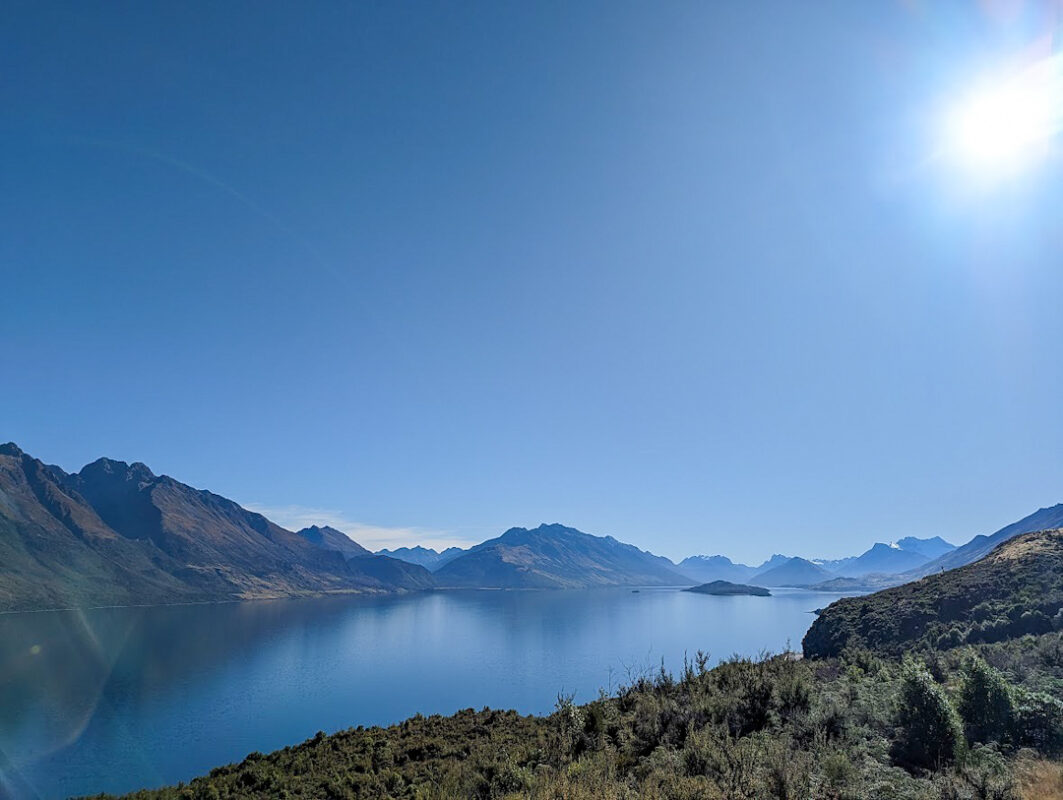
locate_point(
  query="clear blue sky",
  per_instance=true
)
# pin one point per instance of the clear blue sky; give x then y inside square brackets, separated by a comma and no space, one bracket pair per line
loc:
[693,275]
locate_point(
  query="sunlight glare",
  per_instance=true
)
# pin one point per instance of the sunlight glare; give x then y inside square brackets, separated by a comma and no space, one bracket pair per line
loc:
[1005,126]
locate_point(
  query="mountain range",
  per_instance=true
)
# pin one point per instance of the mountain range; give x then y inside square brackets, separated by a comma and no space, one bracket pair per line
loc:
[118,534]
[874,568]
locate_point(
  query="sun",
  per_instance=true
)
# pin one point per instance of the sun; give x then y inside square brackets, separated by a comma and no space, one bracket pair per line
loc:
[1007,124]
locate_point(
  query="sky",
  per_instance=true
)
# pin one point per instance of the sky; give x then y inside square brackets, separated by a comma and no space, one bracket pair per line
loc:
[706,277]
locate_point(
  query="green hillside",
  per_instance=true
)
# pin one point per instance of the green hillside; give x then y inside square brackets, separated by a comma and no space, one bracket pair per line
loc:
[1016,590]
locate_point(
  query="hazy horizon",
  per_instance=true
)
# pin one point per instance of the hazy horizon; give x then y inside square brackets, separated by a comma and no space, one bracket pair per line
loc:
[704,278]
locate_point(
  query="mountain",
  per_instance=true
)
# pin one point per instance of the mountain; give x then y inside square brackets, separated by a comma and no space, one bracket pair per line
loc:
[881,558]
[1014,590]
[425,556]
[371,566]
[934,547]
[793,572]
[392,572]
[979,546]
[714,568]
[556,557]
[332,539]
[116,533]
[777,560]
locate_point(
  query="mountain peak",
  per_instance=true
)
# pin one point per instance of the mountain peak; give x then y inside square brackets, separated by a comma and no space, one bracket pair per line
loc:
[330,538]
[137,472]
[11,449]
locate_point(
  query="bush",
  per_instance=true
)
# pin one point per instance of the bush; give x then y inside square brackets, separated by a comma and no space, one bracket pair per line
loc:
[985,703]
[930,735]
[1038,721]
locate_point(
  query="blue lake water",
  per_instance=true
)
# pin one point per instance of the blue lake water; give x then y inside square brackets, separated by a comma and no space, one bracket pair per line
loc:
[125,698]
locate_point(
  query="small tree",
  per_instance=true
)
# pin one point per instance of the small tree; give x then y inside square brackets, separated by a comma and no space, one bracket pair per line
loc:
[929,731]
[986,703]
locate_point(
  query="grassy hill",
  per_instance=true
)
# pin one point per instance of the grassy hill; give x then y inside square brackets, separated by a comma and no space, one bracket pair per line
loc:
[1015,590]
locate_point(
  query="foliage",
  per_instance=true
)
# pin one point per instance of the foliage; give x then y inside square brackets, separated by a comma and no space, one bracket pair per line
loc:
[985,703]
[930,732]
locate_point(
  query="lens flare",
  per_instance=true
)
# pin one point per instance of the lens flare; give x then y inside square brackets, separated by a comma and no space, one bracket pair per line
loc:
[1006,125]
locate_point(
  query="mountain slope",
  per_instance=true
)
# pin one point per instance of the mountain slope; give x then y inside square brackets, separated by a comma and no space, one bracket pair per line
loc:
[979,546]
[56,552]
[1015,590]
[556,557]
[793,572]
[116,533]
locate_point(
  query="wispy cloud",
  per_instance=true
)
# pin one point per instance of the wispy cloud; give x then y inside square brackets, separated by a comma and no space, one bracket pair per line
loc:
[375,537]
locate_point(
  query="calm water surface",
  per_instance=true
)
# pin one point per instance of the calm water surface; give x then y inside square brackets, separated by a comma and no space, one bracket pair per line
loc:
[119,699]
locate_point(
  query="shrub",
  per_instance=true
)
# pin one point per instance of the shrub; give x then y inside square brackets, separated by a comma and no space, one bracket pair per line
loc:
[985,703]
[1038,721]
[930,734]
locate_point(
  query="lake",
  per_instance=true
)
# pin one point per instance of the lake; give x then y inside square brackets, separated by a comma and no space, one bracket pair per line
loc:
[123,698]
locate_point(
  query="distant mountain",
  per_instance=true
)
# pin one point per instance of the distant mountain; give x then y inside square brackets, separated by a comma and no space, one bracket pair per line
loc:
[714,568]
[425,556]
[979,546]
[777,560]
[793,572]
[881,558]
[392,572]
[1014,590]
[332,539]
[934,547]
[553,556]
[116,533]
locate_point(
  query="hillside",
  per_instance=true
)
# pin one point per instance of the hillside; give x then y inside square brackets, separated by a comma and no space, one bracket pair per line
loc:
[116,533]
[1015,590]
[556,557]
[1041,520]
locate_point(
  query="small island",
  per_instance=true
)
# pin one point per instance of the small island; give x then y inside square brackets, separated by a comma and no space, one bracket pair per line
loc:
[726,587]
